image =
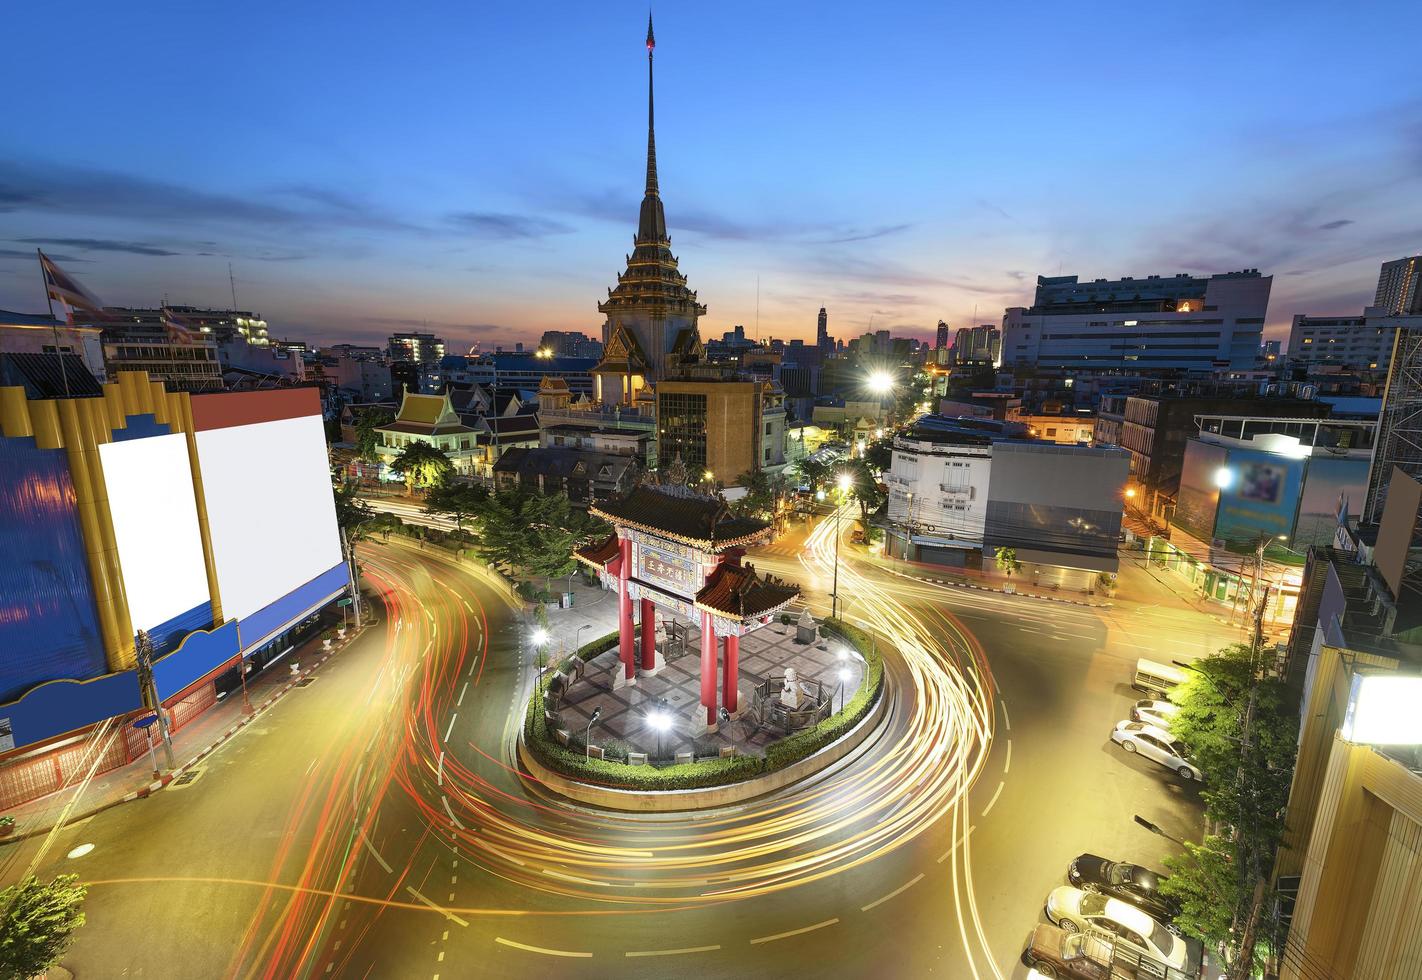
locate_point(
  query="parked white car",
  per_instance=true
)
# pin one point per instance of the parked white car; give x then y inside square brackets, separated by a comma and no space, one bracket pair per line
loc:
[1157,713]
[1156,745]
[1075,910]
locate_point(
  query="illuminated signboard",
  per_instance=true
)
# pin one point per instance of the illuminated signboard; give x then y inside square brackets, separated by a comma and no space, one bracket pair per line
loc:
[668,571]
[1262,497]
[1382,710]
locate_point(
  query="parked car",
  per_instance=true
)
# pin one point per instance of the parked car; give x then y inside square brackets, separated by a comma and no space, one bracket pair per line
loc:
[1052,952]
[1077,911]
[1131,883]
[1157,746]
[1157,713]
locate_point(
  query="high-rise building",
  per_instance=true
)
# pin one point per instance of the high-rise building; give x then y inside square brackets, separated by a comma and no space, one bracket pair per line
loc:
[1400,422]
[422,348]
[822,338]
[942,340]
[727,427]
[980,343]
[1157,324]
[569,343]
[142,340]
[1352,343]
[651,312]
[1398,291]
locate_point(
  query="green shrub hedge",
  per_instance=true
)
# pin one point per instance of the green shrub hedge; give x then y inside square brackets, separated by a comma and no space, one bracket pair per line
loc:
[716,771]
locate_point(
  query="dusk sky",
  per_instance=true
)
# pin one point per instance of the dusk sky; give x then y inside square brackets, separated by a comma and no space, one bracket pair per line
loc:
[371,167]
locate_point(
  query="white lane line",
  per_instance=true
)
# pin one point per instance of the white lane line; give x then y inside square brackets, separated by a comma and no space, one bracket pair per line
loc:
[539,949]
[1028,629]
[450,729]
[312,766]
[460,702]
[1006,720]
[794,932]
[893,894]
[948,853]
[442,911]
[1006,766]
[371,848]
[673,952]
[441,765]
[995,795]
[452,818]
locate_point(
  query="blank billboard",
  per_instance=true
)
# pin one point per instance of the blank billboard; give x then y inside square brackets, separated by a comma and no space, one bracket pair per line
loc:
[1399,521]
[270,510]
[150,487]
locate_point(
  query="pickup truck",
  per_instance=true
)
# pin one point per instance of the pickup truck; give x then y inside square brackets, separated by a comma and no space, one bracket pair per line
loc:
[1089,955]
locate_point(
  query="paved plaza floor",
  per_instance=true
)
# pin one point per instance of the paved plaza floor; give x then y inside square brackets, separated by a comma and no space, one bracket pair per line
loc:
[765,654]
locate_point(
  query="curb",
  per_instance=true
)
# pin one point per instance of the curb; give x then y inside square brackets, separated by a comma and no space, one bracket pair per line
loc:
[709,797]
[986,588]
[143,792]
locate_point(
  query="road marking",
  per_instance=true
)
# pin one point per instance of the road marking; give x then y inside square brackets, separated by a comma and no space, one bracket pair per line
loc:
[441,765]
[896,892]
[1028,629]
[994,799]
[539,949]
[949,852]
[312,766]
[460,702]
[1006,766]
[450,729]
[1006,720]
[794,932]
[442,911]
[673,952]
[453,819]
[371,847]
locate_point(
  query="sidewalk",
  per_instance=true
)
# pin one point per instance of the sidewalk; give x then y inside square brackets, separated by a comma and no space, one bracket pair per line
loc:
[965,578]
[594,614]
[190,744]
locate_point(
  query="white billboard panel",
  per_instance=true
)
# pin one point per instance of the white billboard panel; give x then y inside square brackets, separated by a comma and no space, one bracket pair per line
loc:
[1382,710]
[270,511]
[150,486]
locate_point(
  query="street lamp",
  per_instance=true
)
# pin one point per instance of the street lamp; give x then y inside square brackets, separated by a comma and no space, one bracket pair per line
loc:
[1155,830]
[661,723]
[587,736]
[844,676]
[881,382]
[578,637]
[844,481]
[538,638]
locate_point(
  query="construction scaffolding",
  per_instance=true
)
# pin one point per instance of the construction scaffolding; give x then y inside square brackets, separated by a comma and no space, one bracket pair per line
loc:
[1399,441]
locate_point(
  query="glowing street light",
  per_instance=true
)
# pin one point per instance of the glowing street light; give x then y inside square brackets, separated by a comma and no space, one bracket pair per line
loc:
[1130,492]
[539,637]
[1224,477]
[661,722]
[844,676]
[880,382]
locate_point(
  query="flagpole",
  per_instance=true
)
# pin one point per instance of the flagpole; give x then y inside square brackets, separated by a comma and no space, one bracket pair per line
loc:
[54,323]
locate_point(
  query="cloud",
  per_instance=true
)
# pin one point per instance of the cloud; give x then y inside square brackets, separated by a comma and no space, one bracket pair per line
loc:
[101,245]
[1334,225]
[493,224]
[26,255]
[1017,274]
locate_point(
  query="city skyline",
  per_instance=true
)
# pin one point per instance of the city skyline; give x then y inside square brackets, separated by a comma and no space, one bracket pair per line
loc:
[404,191]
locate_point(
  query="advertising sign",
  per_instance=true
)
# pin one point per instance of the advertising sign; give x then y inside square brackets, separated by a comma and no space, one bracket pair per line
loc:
[1261,496]
[1327,481]
[1382,710]
[672,572]
[1199,494]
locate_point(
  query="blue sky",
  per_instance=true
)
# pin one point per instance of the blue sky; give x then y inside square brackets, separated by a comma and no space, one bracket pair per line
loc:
[478,167]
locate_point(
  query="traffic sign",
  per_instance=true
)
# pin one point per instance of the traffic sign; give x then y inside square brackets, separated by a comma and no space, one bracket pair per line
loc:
[343,602]
[146,722]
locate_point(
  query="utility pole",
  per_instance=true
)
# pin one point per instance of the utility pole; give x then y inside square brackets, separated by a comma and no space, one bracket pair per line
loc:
[353,575]
[143,651]
[1246,853]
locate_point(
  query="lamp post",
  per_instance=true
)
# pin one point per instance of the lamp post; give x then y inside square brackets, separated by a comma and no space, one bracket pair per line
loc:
[844,676]
[1155,830]
[578,637]
[844,482]
[661,723]
[587,736]
[538,638]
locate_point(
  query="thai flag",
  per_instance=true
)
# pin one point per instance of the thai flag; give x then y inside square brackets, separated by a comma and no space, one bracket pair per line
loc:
[180,330]
[60,285]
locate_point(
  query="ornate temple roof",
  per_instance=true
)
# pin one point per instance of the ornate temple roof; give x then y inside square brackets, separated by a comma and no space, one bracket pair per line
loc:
[738,592]
[682,515]
[598,555]
[622,355]
[652,281]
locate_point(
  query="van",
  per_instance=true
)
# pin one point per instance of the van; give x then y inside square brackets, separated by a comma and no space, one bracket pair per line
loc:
[1157,679]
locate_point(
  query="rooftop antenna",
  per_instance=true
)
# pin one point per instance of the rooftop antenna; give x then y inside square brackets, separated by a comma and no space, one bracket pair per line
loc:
[231,281]
[757,309]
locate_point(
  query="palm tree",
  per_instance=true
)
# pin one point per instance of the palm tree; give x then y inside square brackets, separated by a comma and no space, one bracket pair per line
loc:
[422,465]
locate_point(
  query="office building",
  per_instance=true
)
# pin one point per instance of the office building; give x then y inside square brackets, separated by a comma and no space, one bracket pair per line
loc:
[1398,292]
[1158,324]
[422,348]
[569,343]
[1357,344]
[941,339]
[981,343]
[144,340]
[727,427]
[823,340]
[960,488]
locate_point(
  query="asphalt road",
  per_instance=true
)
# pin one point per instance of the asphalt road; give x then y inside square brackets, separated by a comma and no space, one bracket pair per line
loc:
[372,824]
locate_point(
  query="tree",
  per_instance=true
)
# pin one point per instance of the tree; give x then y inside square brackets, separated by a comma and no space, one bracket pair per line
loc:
[879,454]
[457,500]
[1006,561]
[367,439]
[764,493]
[813,472]
[353,515]
[422,465]
[37,923]
[864,485]
[531,532]
[1205,883]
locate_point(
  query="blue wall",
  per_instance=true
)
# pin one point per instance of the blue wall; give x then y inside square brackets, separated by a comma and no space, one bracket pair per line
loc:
[280,614]
[199,654]
[49,626]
